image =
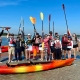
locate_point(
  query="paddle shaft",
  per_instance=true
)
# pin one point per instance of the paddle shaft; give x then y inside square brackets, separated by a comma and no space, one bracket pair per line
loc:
[42,30]
[53,28]
[34,29]
[49,26]
[5,27]
[65,19]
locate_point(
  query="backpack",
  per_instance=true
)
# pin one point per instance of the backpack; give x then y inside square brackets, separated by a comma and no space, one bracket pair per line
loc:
[57,44]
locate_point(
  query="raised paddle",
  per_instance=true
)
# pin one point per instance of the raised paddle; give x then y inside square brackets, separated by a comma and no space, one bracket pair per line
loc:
[42,17]
[53,28]
[33,21]
[49,21]
[63,6]
[6,28]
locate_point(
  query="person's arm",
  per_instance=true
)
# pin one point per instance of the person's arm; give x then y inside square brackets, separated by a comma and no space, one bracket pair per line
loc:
[61,45]
[1,33]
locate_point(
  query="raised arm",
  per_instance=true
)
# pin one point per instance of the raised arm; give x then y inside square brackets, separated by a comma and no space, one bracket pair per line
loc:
[1,33]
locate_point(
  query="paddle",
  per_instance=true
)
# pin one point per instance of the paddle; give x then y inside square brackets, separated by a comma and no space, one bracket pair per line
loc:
[63,6]
[49,21]
[33,21]
[6,28]
[53,28]
[42,17]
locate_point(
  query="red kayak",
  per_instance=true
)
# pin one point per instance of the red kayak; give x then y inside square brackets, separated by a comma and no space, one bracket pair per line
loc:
[4,49]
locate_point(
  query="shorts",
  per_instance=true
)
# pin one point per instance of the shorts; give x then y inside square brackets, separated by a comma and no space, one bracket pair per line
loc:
[11,50]
[22,48]
[75,46]
[68,49]
[52,49]
[40,48]
[64,47]
[35,47]
[29,48]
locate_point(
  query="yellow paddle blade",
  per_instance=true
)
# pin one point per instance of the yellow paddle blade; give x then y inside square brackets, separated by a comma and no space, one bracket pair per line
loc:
[33,20]
[42,44]
[41,16]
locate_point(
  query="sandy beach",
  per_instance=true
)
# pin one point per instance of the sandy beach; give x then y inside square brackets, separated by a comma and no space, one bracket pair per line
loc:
[65,73]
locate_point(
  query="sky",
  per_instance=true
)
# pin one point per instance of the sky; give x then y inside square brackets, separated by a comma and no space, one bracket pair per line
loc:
[12,10]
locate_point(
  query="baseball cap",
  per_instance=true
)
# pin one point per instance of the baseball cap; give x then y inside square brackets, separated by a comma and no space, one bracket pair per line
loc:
[29,34]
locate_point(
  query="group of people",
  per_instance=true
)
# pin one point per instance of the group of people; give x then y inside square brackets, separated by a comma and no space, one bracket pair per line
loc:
[45,48]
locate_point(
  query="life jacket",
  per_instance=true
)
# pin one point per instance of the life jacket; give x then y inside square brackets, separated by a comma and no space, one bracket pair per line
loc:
[69,44]
[57,44]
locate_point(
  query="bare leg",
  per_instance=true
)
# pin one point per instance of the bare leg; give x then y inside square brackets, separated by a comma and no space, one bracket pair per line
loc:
[69,54]
[42,54]
[27,54]
[64,51]
[74,53]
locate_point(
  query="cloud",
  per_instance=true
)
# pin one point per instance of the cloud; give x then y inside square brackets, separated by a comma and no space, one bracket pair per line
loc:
[10,2]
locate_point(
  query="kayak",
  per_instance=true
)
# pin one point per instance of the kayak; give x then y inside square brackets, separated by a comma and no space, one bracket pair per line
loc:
[4,49]
[35,67]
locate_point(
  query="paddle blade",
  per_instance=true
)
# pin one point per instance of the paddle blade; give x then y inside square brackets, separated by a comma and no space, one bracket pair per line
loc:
[33,20]
[63,6]
[41,16]
[7,28]
[42,45]
[50,17]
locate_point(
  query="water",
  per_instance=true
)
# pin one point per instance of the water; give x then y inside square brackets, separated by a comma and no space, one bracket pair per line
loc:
[4,41]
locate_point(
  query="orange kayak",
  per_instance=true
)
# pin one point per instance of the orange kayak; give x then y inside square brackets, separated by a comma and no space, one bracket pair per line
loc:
[35,68]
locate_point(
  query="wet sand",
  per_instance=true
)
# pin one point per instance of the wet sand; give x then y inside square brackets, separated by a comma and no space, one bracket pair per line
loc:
[65,73]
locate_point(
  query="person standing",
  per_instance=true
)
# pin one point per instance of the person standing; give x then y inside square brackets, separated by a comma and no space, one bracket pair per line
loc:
[17,49]
[28,45]
[69,46]
[58,47]
[11,50]
[64,44]
[75,44]
[1,33]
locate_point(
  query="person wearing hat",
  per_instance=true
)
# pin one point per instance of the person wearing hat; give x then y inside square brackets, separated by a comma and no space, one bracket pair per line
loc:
[64,44]
[28,45]
[69,46]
